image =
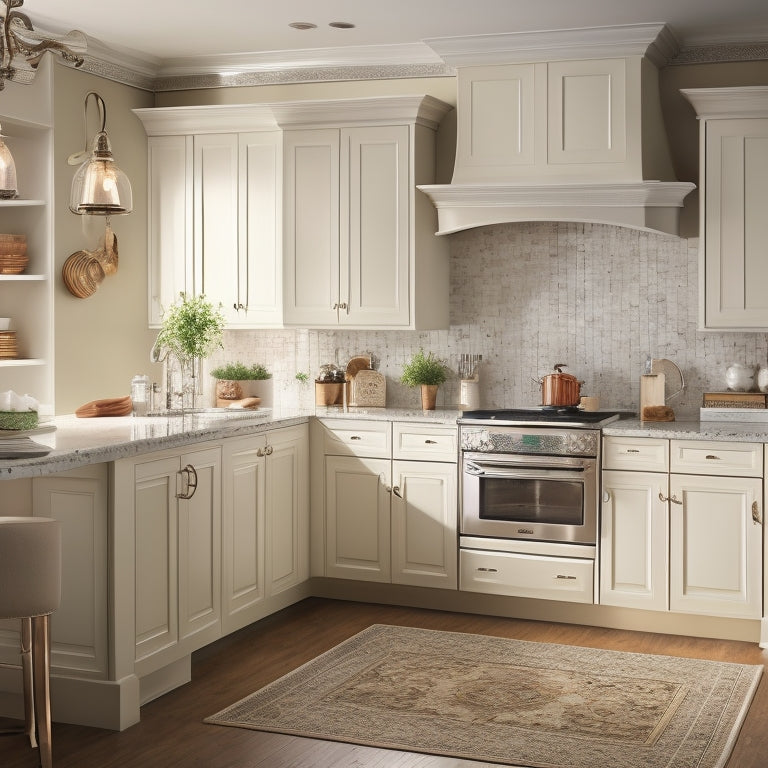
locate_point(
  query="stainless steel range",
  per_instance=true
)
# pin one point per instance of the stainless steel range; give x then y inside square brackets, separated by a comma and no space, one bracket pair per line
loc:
[529,501]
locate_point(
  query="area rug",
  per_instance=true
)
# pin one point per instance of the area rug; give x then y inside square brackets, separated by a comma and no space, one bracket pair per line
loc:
[513,702]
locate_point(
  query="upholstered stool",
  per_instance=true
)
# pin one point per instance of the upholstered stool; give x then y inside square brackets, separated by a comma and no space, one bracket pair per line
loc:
[30,590]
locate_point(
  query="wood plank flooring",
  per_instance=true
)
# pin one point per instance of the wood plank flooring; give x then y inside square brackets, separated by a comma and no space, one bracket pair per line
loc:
[171,732]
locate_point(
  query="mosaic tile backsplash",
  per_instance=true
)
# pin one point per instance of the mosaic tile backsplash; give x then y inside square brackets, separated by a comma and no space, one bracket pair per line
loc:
[595,297]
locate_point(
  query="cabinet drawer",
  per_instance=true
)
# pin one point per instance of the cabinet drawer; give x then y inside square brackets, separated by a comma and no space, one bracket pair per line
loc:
[641,454]
[721,458]
[349,437]
[506,573]
[424,442]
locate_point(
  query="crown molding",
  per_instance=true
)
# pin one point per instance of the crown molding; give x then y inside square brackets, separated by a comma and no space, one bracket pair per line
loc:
[721,53]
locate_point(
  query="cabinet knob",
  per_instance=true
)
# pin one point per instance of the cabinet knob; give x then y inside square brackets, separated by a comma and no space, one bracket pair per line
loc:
[431,442]
[189,478]
[268,450]
[606,497]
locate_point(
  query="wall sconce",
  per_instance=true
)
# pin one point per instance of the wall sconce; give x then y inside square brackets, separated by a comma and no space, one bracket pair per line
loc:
[22,48]
[99,188]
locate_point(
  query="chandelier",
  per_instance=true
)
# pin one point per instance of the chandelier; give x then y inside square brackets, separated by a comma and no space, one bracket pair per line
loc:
[22,48]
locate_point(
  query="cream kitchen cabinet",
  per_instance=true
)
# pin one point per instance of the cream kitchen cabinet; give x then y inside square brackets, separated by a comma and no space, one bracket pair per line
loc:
[388,519]
[687,536]
[265,521]
[733,170]
[359,243]
[214,210]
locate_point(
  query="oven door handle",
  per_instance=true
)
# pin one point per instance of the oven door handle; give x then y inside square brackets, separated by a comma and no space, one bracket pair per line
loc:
[522,472]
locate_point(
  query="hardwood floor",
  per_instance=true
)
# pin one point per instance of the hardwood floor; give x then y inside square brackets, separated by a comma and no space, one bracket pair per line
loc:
[172,733]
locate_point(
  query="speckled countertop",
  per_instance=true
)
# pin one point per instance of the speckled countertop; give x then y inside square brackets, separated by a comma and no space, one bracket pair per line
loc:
[690,430]
[77,442]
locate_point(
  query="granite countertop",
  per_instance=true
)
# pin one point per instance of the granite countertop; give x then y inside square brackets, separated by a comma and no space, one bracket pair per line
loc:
[438,416]
[743,432]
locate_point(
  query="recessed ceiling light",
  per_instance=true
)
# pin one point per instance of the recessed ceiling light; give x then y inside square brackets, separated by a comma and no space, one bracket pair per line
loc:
[302,25]
[341,25]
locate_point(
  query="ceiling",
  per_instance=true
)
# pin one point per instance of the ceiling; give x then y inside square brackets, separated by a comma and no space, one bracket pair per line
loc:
[161,32]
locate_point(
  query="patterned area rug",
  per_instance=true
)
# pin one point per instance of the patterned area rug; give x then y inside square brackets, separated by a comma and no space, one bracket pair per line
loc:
[508,701]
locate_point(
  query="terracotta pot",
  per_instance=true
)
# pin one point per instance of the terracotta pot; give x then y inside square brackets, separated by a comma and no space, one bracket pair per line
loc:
[560,389]
[428,396]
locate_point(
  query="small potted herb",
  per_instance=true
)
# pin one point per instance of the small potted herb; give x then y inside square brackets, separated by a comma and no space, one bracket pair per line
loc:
[235,381]
[425,371]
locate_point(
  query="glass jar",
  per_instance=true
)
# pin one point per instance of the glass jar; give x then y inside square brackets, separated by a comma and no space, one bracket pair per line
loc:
[140,388]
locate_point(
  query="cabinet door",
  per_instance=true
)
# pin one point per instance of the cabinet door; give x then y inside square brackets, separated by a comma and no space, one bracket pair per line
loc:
[259,278]
[78,500]
[199,548]
[736,228]
[357,519]
[287,508]
[156,531]
[169,221]
[243,471]
[634,540]
[716,545]
[374,231]
[215,217]
[424,514]
[311,227]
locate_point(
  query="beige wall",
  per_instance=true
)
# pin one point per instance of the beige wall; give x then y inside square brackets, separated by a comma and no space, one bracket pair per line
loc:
[101,341]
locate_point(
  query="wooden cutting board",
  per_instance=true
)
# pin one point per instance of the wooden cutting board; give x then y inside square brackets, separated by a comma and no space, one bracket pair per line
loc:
[110,406]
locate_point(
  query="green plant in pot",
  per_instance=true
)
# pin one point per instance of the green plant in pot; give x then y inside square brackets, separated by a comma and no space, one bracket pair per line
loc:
[237,381]
[191,330]
[425,371]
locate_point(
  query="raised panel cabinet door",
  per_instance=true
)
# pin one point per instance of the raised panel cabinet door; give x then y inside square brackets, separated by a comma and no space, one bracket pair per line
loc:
[311,227]
[716,545]
[156,537]
[242,525]
[736,228]
[169,221]
[287,508]
[260,275]
[78,500]
[216,238]
[424,515]
[199,546]
[634,534]
[374,230]
[357,518]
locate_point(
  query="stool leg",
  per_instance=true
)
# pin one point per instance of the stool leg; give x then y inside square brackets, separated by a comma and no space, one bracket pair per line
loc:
[27,674]
[41,665]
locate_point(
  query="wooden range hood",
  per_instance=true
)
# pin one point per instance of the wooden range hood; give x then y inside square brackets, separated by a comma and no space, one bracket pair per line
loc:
[563,125]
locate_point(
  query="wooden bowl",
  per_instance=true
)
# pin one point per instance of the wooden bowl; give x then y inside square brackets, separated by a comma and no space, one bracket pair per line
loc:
[13,245]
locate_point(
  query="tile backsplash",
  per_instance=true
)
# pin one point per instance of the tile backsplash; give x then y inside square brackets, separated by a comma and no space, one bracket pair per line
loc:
[595,297]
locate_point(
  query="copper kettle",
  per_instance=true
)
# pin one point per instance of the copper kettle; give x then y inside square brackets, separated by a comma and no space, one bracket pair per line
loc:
[560,389]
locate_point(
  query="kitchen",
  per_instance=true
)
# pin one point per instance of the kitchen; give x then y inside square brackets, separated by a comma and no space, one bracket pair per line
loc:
[523,295]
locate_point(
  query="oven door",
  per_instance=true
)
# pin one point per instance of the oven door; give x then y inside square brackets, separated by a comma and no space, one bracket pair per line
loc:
[540,498]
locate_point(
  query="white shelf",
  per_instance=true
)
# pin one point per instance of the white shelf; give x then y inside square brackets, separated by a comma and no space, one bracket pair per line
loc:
[19,202]
[21,362]
[23,277]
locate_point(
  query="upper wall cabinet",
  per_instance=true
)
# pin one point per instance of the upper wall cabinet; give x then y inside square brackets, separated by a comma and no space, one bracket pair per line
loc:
[214,210]
[359,240]
[733,264]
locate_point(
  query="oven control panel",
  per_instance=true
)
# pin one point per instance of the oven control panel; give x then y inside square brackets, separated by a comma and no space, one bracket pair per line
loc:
[530,440]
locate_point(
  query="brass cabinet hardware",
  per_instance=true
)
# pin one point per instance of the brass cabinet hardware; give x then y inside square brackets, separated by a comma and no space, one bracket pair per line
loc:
[606,497]
[756,517]
[396,491]
[431,442]
[189,478]
[712,457]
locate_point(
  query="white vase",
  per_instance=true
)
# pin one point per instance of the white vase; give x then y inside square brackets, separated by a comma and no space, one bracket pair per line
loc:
[740,377]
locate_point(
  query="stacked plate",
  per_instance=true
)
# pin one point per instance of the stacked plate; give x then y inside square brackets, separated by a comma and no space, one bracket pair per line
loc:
[13,254]
[8,348]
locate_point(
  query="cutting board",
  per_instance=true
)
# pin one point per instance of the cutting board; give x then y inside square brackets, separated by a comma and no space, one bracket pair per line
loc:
[110,406]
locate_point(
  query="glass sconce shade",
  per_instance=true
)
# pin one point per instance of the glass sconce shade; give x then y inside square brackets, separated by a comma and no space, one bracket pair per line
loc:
[8,188]
[99,187]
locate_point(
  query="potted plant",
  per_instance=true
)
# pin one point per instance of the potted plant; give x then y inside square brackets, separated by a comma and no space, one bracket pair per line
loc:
[426,371]
[235,381]
[192,328]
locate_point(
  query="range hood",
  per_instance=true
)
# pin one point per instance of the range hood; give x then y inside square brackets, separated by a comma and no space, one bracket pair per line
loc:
[563,125]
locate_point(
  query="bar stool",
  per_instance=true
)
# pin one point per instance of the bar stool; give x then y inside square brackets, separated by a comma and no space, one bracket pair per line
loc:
[30,590]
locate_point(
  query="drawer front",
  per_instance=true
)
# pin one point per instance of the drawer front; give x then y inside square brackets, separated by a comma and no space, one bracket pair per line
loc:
[425,442]
[641,454]
[548,578]
[721,458]
[350,437]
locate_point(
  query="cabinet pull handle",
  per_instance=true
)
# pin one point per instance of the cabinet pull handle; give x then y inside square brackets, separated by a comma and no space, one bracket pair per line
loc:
[431,442]
[663,498]
[268,450]
[632,450]
[355,437]
[344,305]
[675,500]
[756,518]
[564,577]
[396,491]
[488,570]
[189,478]
[335,306]
[259,452]
[606,497]
[711,457]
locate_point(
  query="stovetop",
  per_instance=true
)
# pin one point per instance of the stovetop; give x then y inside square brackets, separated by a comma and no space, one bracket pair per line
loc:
[555,416]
